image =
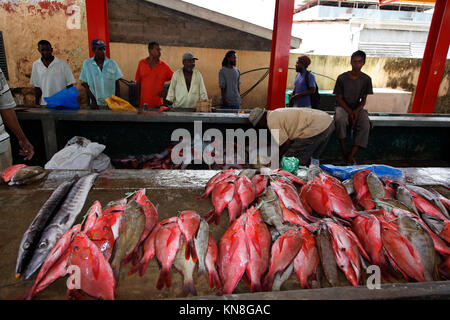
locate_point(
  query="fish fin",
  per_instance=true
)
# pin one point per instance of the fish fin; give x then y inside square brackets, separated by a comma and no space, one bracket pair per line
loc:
[202,197]
[246,279]
[210,217]
[164,278]
[188,287]
[268,282]
[213,279]
[190,250]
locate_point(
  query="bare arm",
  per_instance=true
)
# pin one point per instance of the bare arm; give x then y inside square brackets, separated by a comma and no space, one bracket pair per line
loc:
[37,95]
[10,119]
[117,88]
[93,101]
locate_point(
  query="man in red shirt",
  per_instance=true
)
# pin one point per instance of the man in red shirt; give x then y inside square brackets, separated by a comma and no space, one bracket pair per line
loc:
[151,75]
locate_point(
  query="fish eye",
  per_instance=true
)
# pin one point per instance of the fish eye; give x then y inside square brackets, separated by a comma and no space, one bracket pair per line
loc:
[26,245]
[104,228]
[75,248]
[43,244]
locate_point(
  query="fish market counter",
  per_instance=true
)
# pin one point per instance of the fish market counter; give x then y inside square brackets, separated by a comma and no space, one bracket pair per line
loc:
[171,191]
[397,139]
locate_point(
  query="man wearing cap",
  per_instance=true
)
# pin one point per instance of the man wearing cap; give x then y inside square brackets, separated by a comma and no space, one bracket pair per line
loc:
[100,75]
[305,84]
[187,86]
[152,73]
[300,132]
[49,74]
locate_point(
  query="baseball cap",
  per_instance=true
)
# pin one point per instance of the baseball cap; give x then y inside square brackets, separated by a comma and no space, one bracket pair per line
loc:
[98,43]
[187,56]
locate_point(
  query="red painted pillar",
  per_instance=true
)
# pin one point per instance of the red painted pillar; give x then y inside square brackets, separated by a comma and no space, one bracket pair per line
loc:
[97,22]
[279,56]
[433,61]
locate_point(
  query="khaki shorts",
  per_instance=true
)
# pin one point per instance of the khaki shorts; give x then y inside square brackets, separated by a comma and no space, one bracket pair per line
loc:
[6,159]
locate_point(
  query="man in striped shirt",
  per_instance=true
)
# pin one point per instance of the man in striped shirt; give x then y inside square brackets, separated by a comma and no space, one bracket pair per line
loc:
[8,114]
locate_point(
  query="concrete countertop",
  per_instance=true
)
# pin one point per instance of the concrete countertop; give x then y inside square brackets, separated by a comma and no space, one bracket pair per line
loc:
[387,120]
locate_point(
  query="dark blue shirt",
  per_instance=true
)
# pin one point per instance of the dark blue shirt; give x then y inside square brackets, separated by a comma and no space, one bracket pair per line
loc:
[300,86]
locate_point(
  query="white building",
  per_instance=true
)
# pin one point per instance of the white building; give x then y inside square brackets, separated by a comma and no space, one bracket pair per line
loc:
[397,29]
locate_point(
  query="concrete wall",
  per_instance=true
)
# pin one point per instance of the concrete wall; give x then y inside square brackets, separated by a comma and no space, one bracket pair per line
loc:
[25,22]
[394,73]
[138,21]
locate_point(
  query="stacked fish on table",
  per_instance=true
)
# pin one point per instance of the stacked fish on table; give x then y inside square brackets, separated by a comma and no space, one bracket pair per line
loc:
[107,239]
[181,241]
[21,174]
[329,231]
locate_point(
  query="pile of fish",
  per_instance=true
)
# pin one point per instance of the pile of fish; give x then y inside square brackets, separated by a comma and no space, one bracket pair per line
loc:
[163,160]
[53,220]
[327,231]
[21,174]
[109,238]
[181,241]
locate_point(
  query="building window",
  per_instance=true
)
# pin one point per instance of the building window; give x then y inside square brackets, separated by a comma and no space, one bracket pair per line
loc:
[3,64]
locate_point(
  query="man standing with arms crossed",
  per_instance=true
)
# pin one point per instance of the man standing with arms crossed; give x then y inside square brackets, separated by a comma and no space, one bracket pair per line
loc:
[351,90]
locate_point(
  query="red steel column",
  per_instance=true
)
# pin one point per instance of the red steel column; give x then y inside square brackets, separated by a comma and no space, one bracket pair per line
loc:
[433,61]
[279,56]
[97,22]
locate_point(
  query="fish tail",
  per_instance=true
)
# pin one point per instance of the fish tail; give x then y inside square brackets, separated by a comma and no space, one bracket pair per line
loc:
[190,251]
[201,270]
[164,278]
[202,197]
[256,286]
[188,287]
[268,282]
[213,280]
[27,295]
[210,216]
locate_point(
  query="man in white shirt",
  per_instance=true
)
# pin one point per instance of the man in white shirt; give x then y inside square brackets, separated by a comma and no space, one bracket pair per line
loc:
[187,86]
[50,74]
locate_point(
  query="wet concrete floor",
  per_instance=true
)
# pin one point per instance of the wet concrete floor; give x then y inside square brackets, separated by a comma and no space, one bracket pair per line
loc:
[170,191]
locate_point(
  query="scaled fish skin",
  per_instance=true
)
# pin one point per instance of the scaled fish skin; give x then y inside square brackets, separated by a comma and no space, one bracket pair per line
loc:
[167,243]
[211,262]
[188,222]
[28,175]
[401,252]
[270,209]
[151,219]
[218,177]
[246,191]
[62,221]
[290,198]
[260,182]
[201,241]
[259,241]
[422,241]
[186,268]
[34,231]
[9,172]
[222,194]
[132,225]
[233,255]
[149,247]
[307,260]
[283,252]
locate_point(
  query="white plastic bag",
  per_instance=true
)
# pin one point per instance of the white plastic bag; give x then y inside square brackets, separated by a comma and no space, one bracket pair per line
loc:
[78,154]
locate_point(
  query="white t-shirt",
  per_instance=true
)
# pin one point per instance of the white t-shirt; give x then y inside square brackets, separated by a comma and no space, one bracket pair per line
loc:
[52,79]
